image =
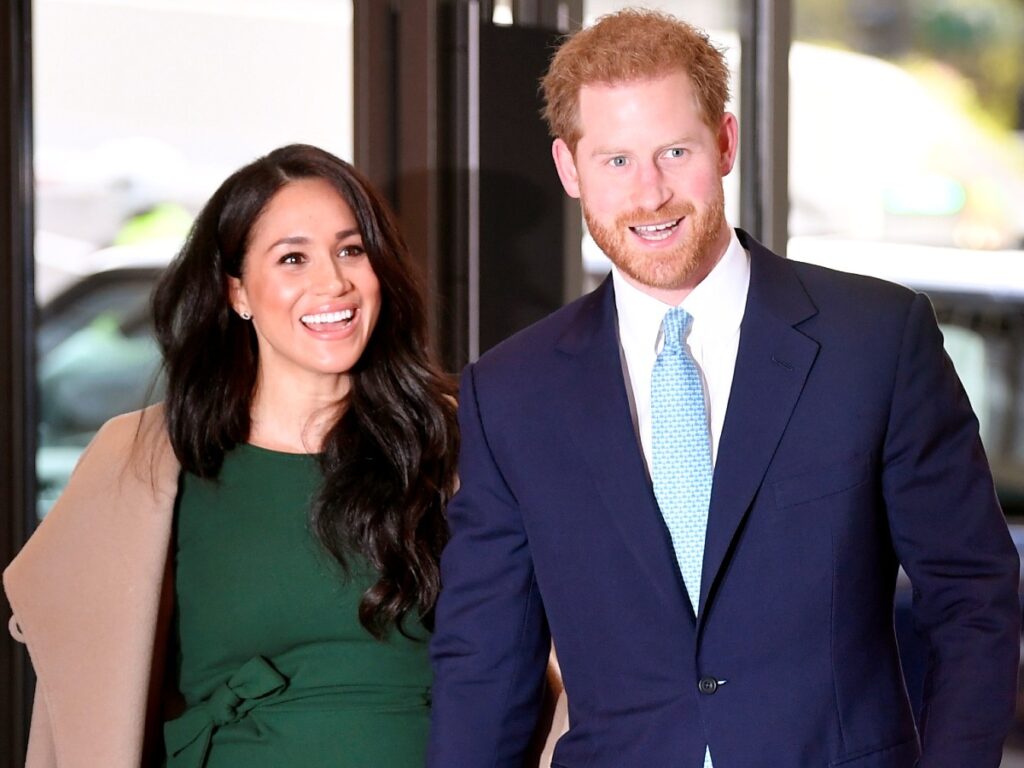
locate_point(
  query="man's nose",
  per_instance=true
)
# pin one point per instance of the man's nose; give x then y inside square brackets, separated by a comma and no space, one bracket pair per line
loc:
[651,190]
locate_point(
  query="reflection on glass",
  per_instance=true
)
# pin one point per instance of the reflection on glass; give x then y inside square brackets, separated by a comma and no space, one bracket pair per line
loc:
[907,162]
[141,108]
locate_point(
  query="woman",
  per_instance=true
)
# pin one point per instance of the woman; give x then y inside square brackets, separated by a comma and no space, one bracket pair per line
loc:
[256,561]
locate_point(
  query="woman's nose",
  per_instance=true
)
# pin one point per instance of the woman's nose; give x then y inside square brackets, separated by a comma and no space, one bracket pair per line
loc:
[329,277]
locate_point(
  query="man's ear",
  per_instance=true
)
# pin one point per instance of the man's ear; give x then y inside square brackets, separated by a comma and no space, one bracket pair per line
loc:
[728,142]
[565,164]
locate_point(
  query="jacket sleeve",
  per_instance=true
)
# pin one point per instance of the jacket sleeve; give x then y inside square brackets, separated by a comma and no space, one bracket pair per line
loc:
[41,752]
[85,593]
[491,641]
[951,538]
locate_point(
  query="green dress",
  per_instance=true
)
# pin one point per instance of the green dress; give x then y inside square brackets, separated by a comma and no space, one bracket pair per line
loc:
[271,659]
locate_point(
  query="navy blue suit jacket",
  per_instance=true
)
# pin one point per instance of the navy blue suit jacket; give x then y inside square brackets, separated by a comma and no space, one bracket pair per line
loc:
[849,448]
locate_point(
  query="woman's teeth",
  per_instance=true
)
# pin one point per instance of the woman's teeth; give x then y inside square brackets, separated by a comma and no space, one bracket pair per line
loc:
[324,318]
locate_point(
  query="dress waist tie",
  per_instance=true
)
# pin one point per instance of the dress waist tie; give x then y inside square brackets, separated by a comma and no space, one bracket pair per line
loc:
[188,737]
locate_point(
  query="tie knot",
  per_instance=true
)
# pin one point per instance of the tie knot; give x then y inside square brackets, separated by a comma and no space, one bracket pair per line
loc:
[674,328]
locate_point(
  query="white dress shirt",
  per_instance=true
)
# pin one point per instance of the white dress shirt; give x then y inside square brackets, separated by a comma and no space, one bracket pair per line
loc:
[717,306]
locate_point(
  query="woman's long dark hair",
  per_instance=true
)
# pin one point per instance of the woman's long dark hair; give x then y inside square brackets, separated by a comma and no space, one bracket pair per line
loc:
[389,460]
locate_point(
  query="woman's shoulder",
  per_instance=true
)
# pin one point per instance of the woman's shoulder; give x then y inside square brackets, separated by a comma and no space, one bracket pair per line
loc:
[123,430]
[127,468]
[131,450]
[132,435]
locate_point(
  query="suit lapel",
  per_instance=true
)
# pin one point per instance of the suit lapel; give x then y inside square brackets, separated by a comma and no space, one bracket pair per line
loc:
[599,421]
[772,365]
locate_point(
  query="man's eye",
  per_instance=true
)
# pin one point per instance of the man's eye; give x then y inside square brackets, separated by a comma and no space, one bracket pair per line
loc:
[617,162]
[351,250]
[675,152]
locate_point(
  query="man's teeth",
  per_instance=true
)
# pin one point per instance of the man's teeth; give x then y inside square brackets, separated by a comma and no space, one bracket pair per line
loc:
[328,317]
[656,231]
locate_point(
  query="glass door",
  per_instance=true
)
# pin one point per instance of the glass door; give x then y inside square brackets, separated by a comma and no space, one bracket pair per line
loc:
[142,107]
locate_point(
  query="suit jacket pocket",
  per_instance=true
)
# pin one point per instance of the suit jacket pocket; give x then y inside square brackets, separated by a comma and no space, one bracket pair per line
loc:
[818,482]
[906,754]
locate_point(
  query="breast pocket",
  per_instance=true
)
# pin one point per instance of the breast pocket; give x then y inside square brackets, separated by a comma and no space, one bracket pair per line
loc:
[814,483]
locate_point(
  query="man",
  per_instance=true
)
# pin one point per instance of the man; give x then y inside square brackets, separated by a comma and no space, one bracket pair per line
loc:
[700,479]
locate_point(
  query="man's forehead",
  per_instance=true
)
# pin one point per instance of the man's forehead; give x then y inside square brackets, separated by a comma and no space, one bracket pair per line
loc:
[627,100]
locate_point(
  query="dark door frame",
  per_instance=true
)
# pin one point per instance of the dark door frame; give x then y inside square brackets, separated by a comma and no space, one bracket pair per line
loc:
[17,315]
[766,34]
[413,119]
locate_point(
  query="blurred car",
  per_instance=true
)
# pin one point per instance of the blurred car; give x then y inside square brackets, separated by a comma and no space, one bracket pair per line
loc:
[96,357]
[882,152]
[62,261]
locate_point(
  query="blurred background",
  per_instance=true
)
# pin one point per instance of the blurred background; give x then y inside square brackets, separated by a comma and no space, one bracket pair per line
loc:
[877,136]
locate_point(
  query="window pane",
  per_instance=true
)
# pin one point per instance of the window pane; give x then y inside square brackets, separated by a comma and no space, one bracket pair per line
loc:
[142,108]
[907,162]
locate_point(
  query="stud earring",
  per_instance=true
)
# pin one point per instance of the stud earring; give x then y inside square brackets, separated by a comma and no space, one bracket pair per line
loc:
[245,315]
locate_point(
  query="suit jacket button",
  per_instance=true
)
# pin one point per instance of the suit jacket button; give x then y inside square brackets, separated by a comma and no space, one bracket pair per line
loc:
[707,685]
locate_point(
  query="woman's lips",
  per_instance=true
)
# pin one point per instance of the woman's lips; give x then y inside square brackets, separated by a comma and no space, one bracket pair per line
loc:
[330,321]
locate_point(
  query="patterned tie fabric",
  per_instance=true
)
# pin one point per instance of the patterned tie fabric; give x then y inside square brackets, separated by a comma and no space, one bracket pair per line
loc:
[681,452]
[681,448]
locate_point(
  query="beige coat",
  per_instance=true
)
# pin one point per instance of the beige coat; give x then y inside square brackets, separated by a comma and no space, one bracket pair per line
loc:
[91,601]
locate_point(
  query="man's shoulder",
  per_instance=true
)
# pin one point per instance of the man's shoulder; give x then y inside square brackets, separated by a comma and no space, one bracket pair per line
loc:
[835,295]
[850,285]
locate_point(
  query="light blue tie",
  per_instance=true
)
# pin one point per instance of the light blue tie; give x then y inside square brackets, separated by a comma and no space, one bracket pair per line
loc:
[681,449]
[681,452]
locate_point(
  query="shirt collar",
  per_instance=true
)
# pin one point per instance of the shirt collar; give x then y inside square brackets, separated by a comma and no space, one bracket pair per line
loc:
[717,303]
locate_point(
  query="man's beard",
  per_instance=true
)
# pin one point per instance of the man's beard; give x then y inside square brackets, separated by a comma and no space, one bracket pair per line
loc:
[667,269]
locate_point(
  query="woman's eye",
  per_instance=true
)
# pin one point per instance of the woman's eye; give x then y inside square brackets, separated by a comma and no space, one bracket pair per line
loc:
[292,258]
[351,250]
